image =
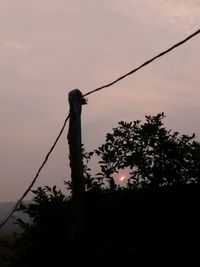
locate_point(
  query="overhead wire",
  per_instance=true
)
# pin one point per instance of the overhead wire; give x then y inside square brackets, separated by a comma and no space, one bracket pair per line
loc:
[144,64]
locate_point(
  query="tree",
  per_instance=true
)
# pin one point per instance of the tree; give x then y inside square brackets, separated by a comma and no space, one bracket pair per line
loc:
[156,156]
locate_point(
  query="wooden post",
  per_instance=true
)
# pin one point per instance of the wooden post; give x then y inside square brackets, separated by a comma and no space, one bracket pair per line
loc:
[76,163]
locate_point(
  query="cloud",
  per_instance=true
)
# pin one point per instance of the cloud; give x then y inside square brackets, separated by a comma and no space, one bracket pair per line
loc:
[183,14]
[14,45]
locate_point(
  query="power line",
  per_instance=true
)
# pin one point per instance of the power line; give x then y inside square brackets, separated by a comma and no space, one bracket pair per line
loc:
[144,64]
[9,215]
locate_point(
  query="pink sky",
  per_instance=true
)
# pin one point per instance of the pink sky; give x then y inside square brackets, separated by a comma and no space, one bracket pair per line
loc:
[49,47]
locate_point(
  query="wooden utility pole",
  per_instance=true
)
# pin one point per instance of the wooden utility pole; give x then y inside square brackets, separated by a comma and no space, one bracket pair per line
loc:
[76,101]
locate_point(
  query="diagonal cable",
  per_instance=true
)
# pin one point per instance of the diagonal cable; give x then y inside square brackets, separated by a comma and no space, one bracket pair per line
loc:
[144,64]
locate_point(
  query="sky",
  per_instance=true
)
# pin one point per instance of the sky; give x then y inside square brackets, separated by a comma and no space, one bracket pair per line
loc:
[49,47]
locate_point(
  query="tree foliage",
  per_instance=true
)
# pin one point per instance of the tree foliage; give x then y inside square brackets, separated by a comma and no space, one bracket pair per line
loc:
[156,156]
[47,234]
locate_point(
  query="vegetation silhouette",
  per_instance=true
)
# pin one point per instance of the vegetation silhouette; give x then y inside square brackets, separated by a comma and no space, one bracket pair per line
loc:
[153,220]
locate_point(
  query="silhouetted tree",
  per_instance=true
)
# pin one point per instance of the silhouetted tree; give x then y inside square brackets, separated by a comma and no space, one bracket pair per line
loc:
[156,156]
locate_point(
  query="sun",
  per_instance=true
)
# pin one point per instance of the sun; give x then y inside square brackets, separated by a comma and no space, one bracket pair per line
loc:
[122,178]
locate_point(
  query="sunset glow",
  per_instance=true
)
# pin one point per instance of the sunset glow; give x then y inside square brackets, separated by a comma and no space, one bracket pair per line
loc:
[122,178]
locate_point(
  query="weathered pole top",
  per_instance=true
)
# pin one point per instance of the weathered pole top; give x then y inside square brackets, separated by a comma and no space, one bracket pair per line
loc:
[76,100]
